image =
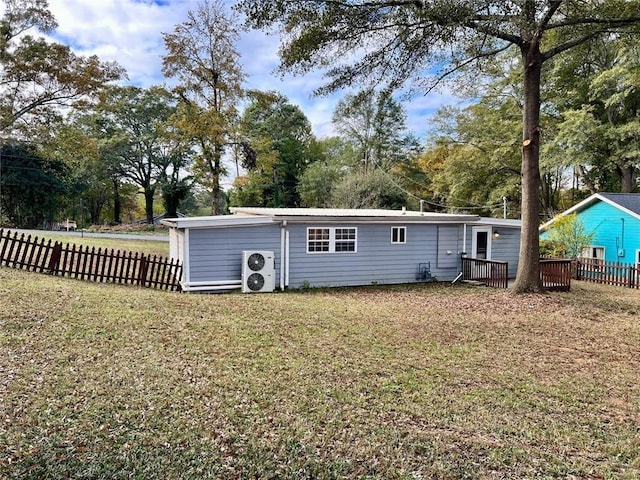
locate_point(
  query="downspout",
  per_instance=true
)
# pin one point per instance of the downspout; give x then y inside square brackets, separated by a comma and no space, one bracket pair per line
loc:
[464,238]
[283,235]
[286,277]
[186,265]
[463,253]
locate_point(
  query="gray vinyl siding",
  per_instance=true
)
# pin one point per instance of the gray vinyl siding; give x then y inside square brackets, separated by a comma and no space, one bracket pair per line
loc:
[507,248]
[215,254]
[449,246]
[377,260]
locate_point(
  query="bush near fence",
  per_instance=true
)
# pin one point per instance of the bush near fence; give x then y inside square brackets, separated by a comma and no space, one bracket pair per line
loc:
[84,263]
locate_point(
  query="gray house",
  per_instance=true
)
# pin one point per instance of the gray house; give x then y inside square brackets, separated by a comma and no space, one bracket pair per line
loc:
[296,247]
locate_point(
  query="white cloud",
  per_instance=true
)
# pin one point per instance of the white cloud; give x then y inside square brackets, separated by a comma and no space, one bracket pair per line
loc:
[130,32]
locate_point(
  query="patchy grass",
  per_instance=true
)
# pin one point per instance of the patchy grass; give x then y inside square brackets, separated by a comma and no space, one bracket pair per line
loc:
[428,381]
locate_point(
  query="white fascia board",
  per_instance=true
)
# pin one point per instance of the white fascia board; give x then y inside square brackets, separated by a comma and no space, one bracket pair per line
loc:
[499,222]
[585,203]
[578,206]
[216,221]
[338,215]
[396,220]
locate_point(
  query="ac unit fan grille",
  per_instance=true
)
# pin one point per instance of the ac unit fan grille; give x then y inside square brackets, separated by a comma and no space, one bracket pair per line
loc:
[256,261]
[255,282]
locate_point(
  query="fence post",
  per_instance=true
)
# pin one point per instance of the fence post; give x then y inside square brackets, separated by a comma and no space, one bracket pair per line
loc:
[55,258]
[142,273]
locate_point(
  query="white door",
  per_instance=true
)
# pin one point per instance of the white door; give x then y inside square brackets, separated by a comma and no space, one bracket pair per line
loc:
[481,243]
[480,249]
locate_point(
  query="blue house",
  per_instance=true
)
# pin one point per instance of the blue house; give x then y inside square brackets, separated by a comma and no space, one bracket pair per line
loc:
[614,219]
[262,249]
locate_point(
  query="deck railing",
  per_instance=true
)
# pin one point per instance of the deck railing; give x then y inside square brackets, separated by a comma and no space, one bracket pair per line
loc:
[556,274]
[489,272]
[84,263]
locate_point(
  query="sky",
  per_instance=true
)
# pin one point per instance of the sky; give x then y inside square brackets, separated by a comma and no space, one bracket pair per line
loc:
[130,32]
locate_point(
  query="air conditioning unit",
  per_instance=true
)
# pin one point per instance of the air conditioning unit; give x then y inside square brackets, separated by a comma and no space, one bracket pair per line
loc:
[258,271]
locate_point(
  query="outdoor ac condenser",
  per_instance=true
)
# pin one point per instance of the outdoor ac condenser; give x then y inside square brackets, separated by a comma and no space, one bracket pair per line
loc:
[258,271]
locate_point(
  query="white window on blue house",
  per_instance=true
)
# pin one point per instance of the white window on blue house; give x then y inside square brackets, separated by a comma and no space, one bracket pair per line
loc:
[398,235]
[332,240]
[638,256]
[593,252]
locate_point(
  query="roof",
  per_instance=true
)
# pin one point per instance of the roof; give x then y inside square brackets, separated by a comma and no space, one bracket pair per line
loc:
[626,202]
[629,201]
[247,216]
[353,215]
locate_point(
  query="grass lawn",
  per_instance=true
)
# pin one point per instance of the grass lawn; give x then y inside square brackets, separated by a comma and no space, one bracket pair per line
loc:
[413,382]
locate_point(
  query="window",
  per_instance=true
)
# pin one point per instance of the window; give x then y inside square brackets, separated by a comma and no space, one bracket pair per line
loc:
[593,252]
[331,240]
[318,240]
[398,234]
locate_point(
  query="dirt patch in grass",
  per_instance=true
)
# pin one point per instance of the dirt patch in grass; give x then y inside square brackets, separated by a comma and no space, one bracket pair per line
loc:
[402,382]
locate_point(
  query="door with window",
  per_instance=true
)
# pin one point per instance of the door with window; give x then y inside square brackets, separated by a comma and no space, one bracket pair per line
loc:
[481,250]
[481,243]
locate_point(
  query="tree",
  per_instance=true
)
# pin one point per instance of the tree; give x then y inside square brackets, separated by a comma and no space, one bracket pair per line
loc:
[37,78]
[202,55]
[76,145]
[402,41]
[600,105]
[372,189]
[375,123]
[31,186]
[137,118]
[336,159]
[568,237]
[280,135]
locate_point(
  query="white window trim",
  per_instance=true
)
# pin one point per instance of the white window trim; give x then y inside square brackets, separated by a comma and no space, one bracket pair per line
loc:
[638,256]
[404,236]
[332,240]
[604,252]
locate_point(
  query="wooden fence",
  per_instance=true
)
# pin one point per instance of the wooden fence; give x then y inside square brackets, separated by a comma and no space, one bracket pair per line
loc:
[490,272]
[84,263]
[609,273]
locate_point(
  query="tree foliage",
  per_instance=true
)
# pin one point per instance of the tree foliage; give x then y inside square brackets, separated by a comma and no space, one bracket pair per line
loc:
[137,119]
[31,186]
[38,77]
[567,237]
[600,107]
[375,124]
[203,57]
[280,135]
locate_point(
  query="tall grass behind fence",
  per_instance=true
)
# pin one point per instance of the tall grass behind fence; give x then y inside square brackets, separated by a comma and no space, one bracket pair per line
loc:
[609,273]
[84,263]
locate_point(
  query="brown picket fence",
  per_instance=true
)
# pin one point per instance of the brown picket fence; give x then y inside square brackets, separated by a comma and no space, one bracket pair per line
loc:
[23,252]
[608,273]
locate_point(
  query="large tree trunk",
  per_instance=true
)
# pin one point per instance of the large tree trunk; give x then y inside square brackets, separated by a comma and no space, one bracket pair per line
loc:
[117,202]
[215,165]
[528,276]
[628,180]
[148,204]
